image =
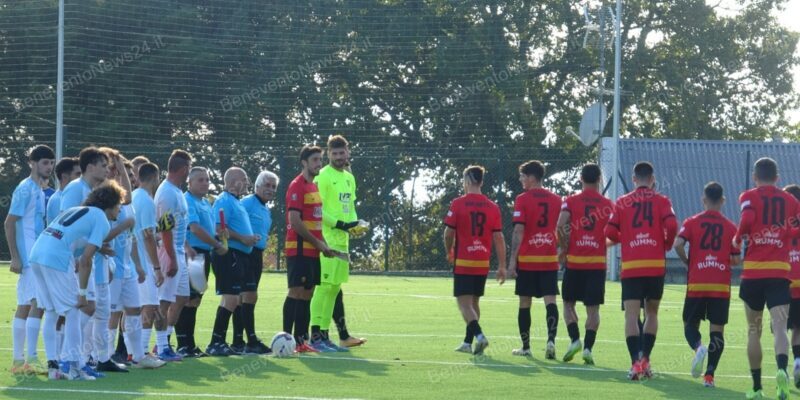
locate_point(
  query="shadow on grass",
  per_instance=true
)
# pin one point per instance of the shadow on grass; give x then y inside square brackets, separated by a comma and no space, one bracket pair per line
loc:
[670,386]
[211,372]
[344,365]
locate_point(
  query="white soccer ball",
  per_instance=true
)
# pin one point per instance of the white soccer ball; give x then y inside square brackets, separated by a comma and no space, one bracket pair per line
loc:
[283,345]
[197,273]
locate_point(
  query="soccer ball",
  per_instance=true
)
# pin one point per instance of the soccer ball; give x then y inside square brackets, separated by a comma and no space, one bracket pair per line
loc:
[283,345]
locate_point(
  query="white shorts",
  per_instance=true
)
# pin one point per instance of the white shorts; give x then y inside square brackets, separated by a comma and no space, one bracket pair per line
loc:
[178,285]
[102,309]
[26,287]
[124,293]
[148,292]
[59,289]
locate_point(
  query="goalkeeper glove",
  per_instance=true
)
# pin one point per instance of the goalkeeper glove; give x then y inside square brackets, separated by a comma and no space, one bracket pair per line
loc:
[360,229]
[345,226]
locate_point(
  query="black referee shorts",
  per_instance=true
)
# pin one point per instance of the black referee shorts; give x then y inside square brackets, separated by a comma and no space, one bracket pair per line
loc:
[229,271]
[252,275]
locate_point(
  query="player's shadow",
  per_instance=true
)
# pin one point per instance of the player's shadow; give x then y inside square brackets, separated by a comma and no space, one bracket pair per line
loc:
[492,361]
[344,365]
[670,386]
[206,372]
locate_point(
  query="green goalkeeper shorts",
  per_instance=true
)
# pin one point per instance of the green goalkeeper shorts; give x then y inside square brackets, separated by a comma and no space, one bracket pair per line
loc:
[334,270]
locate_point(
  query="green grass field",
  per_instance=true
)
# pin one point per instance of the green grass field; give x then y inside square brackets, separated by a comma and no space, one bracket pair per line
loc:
[413,326]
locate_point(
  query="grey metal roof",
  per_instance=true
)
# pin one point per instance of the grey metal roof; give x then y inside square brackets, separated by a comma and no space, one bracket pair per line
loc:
[683,167]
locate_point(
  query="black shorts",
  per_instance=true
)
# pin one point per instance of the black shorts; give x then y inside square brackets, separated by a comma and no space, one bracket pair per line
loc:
[252,275]
[587,286]
[536,283]
[715,310]
[302,271]
[229,271]
[193,294]
[468,285]
[644,288]
[772,291]
[794,314]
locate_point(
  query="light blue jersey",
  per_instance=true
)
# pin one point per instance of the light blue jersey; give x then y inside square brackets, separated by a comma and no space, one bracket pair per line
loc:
[74,194]
[145,210]
[123,244]
[67,237]
[236,219]
[27,203]
[53,206]
[260,218]
[200,214]
[169,199]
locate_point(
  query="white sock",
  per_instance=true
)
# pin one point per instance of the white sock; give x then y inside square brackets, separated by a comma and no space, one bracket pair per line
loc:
[100,336]
[71,350]
[59,342]
[49,335]
[18,335]
[32,326]
[112,340]
[133,334]
[146,334]
[161,340]
[85,347]
[170,330]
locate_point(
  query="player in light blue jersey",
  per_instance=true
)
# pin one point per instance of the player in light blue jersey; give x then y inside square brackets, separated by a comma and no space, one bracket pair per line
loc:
[67,170]
[124,289]
[174,293]
[147,248]
[77,233]
[24,223]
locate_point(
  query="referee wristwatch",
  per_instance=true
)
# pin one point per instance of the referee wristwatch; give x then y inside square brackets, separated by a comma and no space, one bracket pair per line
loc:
[82,292]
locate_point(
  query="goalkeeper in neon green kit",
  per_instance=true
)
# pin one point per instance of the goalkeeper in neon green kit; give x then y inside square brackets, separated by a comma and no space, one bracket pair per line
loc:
[337,188]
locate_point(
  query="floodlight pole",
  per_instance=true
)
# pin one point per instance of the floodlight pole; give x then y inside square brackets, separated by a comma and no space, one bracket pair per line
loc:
[615,180]
[60,85]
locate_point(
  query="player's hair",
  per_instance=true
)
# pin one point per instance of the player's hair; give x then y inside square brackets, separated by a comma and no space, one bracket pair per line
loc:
[139,160]
[766,169]
[474,174]
[309,150]
[337,142]
[713,191]
[65,166]
[108,195]
[793,190]
[148,172]
[196,170]
[533,168]
[264,175]
[111,153]
[41,152]
[643,170]
[127,164]
[178,159]
[90,156]
[590,173]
